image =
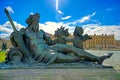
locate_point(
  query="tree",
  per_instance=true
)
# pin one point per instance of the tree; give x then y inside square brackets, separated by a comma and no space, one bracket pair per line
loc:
[4,46]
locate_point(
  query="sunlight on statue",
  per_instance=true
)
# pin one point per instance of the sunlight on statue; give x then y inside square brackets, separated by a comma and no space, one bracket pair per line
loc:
[34,46]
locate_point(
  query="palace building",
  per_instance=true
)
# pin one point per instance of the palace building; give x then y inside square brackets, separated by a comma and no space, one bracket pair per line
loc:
[100,42]
[96,42]
[117,42]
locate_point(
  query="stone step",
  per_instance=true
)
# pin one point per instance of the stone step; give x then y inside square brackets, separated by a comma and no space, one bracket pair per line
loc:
[60,74]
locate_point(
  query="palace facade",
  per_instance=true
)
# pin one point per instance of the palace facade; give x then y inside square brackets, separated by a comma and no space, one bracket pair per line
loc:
[100,42]
[117,42]
[96,42]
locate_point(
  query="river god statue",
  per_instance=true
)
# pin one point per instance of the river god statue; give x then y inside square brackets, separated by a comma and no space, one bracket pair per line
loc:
[34,47]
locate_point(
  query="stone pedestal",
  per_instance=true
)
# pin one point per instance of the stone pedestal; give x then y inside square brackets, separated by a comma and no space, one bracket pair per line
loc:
[60,74]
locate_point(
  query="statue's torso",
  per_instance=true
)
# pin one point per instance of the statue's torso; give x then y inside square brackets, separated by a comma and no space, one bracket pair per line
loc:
[35,41]
[78,42]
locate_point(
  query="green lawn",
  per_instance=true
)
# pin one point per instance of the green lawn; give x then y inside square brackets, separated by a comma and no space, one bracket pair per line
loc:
[2,56]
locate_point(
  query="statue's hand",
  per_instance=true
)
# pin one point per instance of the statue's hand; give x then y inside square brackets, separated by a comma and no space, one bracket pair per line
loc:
[47,58]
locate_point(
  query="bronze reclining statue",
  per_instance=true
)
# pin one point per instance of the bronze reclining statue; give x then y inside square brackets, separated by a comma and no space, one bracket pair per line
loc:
[32,45]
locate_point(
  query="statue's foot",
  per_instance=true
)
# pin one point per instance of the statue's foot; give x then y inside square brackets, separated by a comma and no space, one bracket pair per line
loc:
[105,56]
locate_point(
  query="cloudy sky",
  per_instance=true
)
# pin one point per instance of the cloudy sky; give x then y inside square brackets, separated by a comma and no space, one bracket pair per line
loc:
[95,16]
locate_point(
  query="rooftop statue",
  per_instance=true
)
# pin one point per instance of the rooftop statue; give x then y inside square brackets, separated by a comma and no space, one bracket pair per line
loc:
[34,46]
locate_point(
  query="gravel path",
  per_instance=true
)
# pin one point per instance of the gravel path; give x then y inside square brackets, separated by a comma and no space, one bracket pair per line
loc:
[113,61]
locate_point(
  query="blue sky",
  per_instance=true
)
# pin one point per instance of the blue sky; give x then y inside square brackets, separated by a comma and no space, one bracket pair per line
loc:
[95,13]
[107,11]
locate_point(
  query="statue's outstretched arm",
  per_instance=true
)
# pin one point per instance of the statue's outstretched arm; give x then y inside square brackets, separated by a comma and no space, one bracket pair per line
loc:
[67,39]
[47,38]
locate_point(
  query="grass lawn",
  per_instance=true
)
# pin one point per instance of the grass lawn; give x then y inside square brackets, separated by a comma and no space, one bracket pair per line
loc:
[2,56]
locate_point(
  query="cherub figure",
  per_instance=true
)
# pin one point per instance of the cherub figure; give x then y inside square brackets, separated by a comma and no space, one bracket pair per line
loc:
[59,33]
[79,38]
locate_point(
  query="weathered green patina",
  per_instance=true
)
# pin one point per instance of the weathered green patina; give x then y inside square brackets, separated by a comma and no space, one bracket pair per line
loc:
[33,46]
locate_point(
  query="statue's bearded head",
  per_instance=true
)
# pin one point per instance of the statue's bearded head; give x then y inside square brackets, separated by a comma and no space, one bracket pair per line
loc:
[33,22]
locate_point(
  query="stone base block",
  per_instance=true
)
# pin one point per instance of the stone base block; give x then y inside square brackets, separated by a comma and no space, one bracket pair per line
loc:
[60,74]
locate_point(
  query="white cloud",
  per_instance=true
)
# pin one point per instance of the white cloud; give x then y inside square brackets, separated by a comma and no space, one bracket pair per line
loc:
[89,29]
[6,29]
[92,29]
[18,25]
[86,18]
[31,13]
[9,8]
[4,36]
[50,28]
[66,17]
[60,12]
[83,19]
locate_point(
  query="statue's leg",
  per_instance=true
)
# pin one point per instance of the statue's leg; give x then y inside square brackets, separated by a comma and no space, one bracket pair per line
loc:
[66,58]
[20,43]
[50,56]
[81,53]
[78,52]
